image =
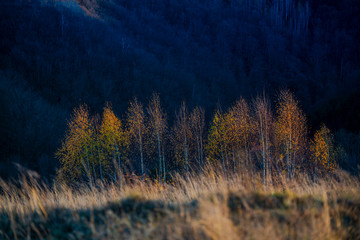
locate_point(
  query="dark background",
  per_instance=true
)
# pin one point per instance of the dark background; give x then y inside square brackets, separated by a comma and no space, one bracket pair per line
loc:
[57,54]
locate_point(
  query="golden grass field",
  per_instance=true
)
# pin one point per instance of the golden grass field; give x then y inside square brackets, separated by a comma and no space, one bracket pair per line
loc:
[208,205]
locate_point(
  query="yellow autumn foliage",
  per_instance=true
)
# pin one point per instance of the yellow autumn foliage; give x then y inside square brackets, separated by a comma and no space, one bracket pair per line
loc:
[291,131]
[76,147]
[114,140]
[322,149]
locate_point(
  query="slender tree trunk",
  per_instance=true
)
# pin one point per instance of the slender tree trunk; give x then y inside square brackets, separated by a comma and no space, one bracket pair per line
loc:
[269,173]
[246,161]
[222,158]
[328,151]
[227,164]
[159,150]
[93,166]
[89,171]
[100,167]
[234,162]
[267,157]
[287,159]
[201,151]
[222,155]
[293,162]
[119,163]
[198,150]
[290,149]
[186,154]
[141,156]
[247,158]
[101,174]
[163,157]
[114,162]
[263,148]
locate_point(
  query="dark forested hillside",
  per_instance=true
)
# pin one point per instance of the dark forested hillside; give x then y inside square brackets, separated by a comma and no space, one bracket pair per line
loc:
[57,54]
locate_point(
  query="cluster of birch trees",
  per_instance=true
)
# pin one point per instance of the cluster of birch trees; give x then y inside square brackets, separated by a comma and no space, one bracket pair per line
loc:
[247,137]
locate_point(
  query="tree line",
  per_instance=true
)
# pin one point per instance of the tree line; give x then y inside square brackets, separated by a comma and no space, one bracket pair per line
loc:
[249,136]
[199,51]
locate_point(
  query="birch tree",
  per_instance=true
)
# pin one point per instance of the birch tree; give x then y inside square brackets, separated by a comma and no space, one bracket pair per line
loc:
[74,155]
[215,146]
[114,141]
[231,137]
[264,126]
[137,128]
[157,124]
[291,131]
[240,130]
[182,136]
[323,151]
[197,129]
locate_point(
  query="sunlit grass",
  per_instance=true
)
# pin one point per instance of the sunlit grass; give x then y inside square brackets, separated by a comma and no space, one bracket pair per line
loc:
[226,207]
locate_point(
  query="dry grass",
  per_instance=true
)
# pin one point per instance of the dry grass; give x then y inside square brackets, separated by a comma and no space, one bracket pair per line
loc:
[203,206]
